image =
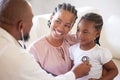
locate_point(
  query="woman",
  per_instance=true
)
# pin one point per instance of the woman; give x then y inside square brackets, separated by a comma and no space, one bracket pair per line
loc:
[51,51]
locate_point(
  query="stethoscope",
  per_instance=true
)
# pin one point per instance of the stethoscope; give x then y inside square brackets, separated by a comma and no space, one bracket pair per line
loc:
[85,59]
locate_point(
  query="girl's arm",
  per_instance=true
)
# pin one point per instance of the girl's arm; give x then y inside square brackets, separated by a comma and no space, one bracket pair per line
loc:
[112,71]
[104,71]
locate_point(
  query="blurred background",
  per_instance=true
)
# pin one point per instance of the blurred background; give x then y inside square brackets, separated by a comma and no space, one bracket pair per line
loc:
[107,8]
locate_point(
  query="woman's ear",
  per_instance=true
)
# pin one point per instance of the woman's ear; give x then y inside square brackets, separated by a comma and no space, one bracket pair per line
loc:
[49,21]
[51,16]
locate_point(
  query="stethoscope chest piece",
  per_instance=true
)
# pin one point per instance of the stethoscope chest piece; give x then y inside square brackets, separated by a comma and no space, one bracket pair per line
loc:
[85,58]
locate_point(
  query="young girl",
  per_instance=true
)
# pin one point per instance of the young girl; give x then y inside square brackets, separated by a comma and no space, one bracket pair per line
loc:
[89,49]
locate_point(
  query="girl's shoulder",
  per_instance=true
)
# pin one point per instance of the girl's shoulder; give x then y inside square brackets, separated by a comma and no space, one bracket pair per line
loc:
[101,48]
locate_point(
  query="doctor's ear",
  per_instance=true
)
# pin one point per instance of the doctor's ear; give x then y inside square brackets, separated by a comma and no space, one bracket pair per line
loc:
[20,25]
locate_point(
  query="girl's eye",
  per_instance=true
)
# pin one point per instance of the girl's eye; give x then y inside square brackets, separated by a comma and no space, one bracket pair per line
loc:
[85,32]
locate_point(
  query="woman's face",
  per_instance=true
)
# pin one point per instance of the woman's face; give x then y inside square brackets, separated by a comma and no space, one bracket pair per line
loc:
[61,23]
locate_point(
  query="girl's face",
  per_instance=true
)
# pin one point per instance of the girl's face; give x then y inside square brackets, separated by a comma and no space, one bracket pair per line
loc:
[86,32]
[61,23]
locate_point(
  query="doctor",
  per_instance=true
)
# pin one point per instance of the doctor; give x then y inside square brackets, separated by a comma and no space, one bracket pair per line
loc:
[16,63]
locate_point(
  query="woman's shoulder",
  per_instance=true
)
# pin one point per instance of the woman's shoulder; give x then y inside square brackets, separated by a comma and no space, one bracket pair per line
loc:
[41,40]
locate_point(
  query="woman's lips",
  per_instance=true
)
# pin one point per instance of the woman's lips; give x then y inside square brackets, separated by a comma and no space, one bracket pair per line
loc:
[58,33]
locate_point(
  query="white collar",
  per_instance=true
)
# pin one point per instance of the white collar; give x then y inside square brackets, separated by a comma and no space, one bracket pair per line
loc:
[8,37]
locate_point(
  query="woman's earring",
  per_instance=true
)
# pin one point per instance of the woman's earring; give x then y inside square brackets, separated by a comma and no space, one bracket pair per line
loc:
[49,23]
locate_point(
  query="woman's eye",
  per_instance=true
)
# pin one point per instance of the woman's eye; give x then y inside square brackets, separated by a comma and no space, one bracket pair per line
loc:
[68,26]
[57,21]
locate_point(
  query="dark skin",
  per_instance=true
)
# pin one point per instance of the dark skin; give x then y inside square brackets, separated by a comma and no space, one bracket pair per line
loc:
[14,24]
[19,20]
[86,33]
[61,24]
[108,71]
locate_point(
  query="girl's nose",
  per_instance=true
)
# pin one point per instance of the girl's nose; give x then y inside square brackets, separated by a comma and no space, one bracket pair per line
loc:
[79,35]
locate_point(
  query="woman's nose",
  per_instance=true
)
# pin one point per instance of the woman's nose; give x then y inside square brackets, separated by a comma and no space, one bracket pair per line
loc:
[61,27]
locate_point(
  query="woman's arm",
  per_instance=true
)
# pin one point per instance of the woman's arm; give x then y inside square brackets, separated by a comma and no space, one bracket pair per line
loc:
[71,39]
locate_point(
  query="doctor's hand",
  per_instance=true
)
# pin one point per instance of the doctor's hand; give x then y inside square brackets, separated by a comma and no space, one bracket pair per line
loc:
[82,69]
